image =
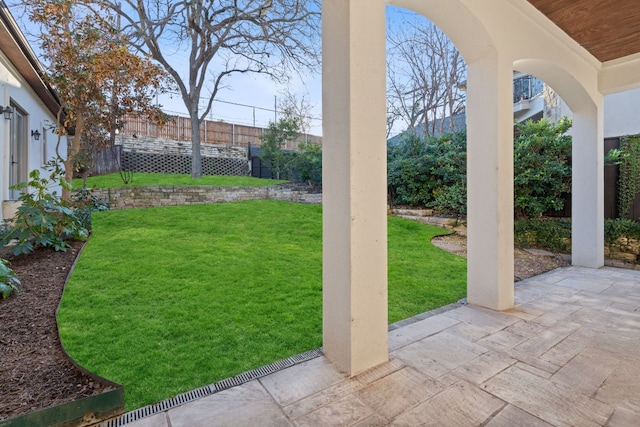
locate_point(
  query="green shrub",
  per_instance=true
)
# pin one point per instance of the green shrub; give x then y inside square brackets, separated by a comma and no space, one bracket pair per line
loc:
[308,162]
[274,140]
[622,235]
[84,201]
[429,172]
[8,280]
[541,169]
[43,218]
[552,234]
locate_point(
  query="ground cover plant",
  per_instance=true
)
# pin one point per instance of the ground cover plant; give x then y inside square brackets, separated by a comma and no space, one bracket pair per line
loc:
[113,180]
[166,300]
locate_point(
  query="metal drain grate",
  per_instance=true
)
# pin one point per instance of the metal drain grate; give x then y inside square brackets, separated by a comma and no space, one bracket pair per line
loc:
[183,398]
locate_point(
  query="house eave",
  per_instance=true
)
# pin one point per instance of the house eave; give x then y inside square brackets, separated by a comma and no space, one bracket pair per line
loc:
[16,48]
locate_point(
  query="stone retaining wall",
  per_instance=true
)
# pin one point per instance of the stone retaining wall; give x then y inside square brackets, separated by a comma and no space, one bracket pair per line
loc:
[148,145]
[144,197]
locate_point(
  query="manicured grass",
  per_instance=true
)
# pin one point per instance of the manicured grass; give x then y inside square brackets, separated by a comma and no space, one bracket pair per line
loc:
[113,180]
[166,300]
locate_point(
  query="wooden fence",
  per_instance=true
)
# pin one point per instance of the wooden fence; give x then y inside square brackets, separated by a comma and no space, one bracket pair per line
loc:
[215,132]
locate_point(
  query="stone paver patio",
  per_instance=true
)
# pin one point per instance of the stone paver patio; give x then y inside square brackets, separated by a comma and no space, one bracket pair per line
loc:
[567,355]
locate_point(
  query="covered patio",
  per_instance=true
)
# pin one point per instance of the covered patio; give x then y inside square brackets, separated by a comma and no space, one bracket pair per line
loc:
[583,49]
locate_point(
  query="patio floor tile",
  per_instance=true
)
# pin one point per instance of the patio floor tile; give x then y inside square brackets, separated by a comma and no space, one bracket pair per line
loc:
[296,382]
[462,404]
[157,420]
[246,405]
[439,354]
[344,412]
[399,392]
[419,330]
[554,403]
[512,416]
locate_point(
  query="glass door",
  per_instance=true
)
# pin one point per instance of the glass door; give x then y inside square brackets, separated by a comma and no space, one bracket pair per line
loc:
[18,151]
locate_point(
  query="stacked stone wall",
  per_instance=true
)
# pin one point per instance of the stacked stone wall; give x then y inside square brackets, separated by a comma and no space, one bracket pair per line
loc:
[143,197]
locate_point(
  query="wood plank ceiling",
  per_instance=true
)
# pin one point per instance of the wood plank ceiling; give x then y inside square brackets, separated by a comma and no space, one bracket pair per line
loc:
[608,29]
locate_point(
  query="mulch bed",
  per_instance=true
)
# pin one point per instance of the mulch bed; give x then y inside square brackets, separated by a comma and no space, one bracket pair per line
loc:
[35,372]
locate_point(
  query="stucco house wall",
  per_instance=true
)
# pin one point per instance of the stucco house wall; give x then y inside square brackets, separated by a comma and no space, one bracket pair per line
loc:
[622,114]
[33,107]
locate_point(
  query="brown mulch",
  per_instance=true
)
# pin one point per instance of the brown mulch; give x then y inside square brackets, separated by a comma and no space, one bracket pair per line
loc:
[35,372]
[526,264]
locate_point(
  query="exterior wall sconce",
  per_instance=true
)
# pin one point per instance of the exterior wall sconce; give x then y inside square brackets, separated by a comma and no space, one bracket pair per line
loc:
[35,134]
[7,111]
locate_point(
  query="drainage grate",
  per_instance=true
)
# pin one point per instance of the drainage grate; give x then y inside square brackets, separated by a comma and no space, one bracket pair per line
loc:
[240,379]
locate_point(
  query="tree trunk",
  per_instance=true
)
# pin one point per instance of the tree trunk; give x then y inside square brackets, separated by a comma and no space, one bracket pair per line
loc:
[196,156]
[73,149]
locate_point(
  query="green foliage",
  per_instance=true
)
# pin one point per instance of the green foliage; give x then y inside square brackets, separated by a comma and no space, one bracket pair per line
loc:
[85,201]
[43,218]
[629,179]
[429,172]
[617,228]
[308,162]
[541,169]
[622,235]
[552,234]
[273,142]
[8,280]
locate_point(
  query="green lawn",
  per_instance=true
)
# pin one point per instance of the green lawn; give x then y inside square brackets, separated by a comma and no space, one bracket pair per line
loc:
[113,180]
[166,300]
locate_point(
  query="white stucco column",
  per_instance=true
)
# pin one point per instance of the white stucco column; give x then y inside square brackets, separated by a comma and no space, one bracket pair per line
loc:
[587,188]
[354,184]
[490,183]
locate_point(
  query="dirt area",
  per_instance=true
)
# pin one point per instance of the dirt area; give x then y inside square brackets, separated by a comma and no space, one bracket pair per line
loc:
[527,263]
[36,373]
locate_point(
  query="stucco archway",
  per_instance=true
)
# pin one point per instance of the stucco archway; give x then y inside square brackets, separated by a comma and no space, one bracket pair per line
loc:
[587,192]
[491,37]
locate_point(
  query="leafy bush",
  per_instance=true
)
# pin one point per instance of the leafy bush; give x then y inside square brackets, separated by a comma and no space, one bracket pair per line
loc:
[43,218]
[85,201]
[273,142]
[552,234]
[622,235]
[541,169]
[308,162]
[8,280]
[429,172]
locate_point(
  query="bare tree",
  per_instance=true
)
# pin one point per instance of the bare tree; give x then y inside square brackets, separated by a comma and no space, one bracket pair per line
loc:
[298,107]
[425,77]
[221,38]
